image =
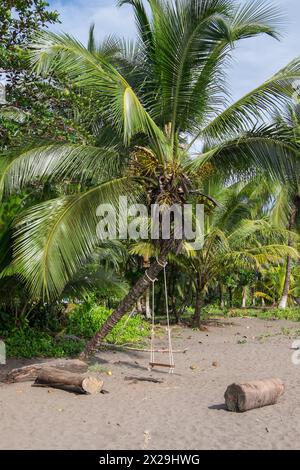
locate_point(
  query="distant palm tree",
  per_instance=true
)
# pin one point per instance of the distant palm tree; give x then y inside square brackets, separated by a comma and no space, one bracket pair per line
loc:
[245,244]
[286,210]
[158,98]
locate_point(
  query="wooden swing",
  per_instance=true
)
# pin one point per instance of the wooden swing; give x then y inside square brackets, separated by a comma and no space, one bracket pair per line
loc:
[152,363]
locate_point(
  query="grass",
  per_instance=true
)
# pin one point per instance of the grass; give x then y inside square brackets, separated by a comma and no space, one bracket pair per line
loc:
[292,314]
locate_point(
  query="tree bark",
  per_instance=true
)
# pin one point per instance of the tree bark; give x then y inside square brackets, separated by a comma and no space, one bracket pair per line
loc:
[133,295]
[31,371]
[244,297]
[198,303]
[230,297]
[148,313]
[139,306]
[288,271]
[255,394]
[57,378]
[147,303]
[253,300]
[287,281]
[221,296]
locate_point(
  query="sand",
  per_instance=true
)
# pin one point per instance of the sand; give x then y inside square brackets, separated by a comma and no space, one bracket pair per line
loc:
[185,411]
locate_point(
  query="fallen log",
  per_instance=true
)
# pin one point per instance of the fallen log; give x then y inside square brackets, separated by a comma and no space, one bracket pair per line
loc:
[254,394]
[30,372]
[79,383]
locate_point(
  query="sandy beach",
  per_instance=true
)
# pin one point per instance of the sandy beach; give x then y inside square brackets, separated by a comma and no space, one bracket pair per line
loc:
[185,411]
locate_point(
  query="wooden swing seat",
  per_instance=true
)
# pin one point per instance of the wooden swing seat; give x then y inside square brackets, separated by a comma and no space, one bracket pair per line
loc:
[158,364]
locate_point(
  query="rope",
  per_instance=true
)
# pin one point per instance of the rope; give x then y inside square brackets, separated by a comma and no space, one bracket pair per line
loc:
[152,355]
[152,280]
[153,323]
[160,264]
[171,357]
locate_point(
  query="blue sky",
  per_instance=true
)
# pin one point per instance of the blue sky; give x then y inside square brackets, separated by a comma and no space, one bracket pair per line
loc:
[255,60]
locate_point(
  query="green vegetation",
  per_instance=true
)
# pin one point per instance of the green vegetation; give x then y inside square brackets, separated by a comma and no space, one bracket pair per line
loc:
[31,342]
[292,314]
[214,311]
[85,322]
[68,337]
[84,125]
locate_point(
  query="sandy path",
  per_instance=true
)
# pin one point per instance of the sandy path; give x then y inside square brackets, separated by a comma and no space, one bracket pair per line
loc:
[184,412]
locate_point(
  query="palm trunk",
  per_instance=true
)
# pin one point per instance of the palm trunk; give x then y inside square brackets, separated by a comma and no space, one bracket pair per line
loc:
[148,313]
[198,303]
[221,296]
[131,298]
[139,306]
[244,297]
[253,300]
[287,281]
[288,272]
[230,297]
[148,308]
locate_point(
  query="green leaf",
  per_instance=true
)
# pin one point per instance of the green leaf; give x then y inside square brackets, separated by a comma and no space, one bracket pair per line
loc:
[58,162]
[54,239]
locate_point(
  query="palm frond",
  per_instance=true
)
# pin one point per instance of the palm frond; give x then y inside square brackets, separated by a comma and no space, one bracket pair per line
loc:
[64,55]
[142,22]
[91,46]
[183,43]
[55,238]
[58,162]
[13,114]
[266,149]
[207,91]
[258,16]
[260,103]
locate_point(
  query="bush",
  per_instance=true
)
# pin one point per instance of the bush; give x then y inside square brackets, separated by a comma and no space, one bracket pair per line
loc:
[292,314]
[31,342]
[27,341]
[213,309]
[86,319]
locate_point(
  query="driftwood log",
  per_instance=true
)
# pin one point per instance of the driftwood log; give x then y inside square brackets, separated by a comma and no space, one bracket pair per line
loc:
[255,394]
[58,378]
[31,372]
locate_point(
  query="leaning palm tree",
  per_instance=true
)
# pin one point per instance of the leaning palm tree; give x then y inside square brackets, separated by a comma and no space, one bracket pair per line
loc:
[158,99]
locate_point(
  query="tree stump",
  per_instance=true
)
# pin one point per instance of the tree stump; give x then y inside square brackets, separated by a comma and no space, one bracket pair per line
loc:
[57,378]
[254,394]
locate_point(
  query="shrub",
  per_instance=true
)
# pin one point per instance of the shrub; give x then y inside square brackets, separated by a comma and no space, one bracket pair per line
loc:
[213,309]
[85,320]
[31,342]
[292,314]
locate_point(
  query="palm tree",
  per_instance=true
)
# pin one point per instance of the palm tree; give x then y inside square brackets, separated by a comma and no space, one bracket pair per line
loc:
[287,207]
[234,242]
[282,199]
[158,99]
